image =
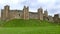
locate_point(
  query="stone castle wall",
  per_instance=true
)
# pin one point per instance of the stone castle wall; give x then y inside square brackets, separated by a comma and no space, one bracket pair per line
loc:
[7,14]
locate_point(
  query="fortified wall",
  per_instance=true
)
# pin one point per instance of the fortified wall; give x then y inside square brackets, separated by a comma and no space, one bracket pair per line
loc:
[7,14]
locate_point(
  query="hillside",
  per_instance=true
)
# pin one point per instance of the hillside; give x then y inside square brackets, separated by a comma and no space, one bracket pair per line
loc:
[27,23]
[20,26]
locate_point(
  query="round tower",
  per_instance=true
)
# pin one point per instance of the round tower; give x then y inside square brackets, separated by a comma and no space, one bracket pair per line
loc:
[6,12]
[46,13]
[40,13]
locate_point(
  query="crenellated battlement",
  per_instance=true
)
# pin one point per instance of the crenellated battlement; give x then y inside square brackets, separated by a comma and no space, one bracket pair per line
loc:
[7,14]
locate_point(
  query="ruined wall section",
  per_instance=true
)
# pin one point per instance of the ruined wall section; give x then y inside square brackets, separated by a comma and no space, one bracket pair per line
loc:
[33,15]
[16,14]
[56,18]
[50,19]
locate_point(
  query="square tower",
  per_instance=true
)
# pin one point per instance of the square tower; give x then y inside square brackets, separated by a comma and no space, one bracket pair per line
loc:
[26,12]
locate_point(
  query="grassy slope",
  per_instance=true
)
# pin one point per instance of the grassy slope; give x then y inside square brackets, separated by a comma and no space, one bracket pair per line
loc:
[2,23]
[27,23]
[19,26]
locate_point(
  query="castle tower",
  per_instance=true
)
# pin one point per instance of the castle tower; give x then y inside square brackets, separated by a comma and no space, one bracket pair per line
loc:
[26,12]
[6,12]
[45,17]
[56,18]
[40,13]
[46,13]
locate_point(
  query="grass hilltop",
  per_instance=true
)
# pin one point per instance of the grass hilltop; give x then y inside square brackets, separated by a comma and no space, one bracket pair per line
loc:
[32,26]
[26,23]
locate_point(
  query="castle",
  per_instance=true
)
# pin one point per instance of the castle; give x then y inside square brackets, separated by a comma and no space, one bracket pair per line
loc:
[7,14]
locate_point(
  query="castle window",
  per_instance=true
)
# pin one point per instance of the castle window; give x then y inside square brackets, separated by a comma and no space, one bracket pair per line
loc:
[19,14]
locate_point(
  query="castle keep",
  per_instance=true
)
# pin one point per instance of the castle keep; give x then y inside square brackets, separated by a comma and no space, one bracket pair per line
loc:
[7,14]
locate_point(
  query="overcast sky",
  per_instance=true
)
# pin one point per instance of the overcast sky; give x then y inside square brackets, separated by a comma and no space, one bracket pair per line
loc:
[52,6]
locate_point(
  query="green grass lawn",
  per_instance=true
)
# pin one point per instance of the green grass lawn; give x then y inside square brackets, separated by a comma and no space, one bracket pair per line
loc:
[32,26]
[31,30]
[27,23]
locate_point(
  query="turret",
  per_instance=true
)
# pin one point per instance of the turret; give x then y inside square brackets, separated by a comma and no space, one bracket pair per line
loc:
[46,13]
[40,13]
[6,12]
[26,12]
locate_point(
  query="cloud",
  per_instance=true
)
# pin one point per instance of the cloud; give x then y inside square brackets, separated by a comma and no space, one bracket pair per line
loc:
[14,4]
[11,1]
[52,6]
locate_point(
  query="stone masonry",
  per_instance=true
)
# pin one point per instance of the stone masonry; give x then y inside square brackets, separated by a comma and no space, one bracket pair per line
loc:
[45,17]
[7,14]
[26,12]
[40,13]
